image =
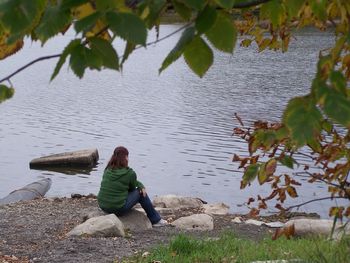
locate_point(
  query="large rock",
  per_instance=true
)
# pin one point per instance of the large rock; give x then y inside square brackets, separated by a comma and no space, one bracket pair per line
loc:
[195,222]
[134,220]
[216,209]
[101,226]
[29,192]
[307,226]
[82,158]
[177,202]
[92,212]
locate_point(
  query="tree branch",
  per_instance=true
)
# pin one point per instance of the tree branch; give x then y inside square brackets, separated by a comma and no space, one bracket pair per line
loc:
[250,3]
[85,42]
[315,200]
[29,64]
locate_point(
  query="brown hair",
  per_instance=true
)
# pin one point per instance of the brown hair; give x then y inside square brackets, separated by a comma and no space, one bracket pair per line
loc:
[118,159]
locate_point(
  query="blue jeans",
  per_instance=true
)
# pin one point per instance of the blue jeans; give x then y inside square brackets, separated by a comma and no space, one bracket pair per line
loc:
[135,197]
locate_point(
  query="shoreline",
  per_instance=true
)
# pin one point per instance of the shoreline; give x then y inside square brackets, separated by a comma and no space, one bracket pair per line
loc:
[35,231]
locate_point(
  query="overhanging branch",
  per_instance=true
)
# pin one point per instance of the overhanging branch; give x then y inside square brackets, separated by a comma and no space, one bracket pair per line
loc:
[315,200]
[7,78]
[250,3]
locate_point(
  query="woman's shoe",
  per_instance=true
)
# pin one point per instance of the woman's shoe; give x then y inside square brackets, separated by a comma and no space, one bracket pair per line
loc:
[161,223]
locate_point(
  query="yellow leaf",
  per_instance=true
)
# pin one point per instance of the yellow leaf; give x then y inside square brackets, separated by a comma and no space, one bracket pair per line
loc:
[292,192]
[8,50]
[86,10]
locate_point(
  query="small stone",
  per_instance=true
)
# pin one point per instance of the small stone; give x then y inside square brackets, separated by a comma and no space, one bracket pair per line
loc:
[145,254]
[237,220]
[254,222]
[216,209]
[195,222]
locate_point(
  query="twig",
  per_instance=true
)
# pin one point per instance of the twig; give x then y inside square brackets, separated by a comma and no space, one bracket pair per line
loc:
[315,200]
[29,64]
[318,178]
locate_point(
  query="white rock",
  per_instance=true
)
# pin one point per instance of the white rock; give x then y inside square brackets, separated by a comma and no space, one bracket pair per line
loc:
[101,226]
[92,212]
[276,224]
[216,209]
[195,222]
[237,220]
[135,221]
[173,201]
[254,222]
[307,226]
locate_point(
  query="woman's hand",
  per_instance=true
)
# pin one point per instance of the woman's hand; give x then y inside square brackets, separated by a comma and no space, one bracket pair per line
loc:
[143,192]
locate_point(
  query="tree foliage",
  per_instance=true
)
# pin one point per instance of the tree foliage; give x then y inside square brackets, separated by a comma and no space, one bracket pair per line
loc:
[319,120]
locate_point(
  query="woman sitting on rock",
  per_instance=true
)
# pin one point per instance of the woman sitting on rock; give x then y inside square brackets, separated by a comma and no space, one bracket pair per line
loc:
[120,190]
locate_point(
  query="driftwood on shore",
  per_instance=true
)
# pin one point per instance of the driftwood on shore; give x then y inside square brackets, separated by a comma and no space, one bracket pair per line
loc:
[29,192]
[81,158]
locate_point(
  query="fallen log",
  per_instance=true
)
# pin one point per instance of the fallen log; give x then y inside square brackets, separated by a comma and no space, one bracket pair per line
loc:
[29,192]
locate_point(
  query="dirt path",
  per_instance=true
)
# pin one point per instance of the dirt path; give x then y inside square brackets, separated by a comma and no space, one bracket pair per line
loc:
[35,231]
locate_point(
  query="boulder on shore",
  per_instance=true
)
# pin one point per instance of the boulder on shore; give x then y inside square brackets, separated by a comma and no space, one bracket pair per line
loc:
[101,226]
[81,158]
[133,220]
[195,222]
[177,202]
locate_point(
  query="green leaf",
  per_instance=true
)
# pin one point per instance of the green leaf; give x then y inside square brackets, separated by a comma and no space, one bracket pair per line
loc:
[184,11]
[78,60]
[223,34]
[106,51]
[337,107]
[315,145]
[287,161]
[179,48]
[68,4]
[20,16]
[66,52]
[198,56]
[293,7]
[5,92]
[228,4]
[104,5]
[155,7]
[327,126]
[195,4]
[262,176]
[266,170]
[303,119]
[53,21]
[206,19]
[272,10]
[250,173]
[128,26]
[129,48]
[87,23]
[82,57]
[319,8]
[338,82]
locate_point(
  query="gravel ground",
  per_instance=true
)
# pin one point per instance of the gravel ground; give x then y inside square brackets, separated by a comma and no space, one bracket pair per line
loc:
[35,231]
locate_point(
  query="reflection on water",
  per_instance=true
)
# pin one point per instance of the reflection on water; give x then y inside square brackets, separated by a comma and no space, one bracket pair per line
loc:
[67,170]
[177,127]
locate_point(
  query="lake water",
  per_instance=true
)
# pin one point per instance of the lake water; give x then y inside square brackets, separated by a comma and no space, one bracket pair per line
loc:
[176,126]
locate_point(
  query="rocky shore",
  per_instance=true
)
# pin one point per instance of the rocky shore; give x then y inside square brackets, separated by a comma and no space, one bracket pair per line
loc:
[36,231]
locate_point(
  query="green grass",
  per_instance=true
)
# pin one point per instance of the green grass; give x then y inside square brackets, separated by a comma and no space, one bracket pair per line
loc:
[228,248]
